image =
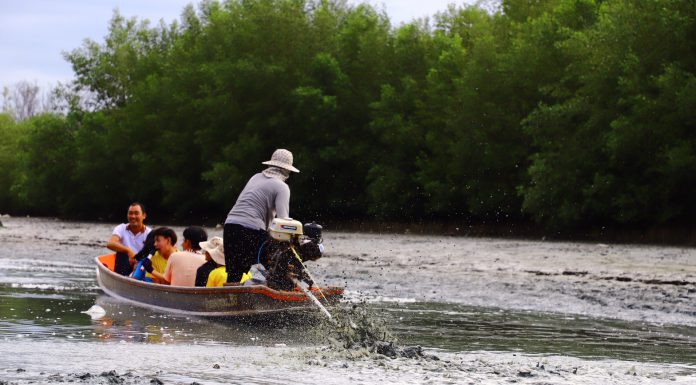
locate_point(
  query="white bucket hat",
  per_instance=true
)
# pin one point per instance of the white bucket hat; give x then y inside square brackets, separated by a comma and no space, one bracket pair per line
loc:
[281,158]
[215,247]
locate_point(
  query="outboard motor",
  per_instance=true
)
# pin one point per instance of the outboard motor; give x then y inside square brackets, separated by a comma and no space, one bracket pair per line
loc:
[284,229]
[313,232]
[288,249]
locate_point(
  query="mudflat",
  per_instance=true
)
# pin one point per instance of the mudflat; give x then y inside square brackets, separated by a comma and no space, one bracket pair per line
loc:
[418,309]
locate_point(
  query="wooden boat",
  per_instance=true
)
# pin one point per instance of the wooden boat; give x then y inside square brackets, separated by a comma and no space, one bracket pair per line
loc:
[226,301]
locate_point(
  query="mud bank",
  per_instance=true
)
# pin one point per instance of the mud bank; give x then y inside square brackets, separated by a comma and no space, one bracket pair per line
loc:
[155,364]
[628,282]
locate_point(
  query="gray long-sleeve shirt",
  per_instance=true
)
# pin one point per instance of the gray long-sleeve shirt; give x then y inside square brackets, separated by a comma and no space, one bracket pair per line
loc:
[262,199]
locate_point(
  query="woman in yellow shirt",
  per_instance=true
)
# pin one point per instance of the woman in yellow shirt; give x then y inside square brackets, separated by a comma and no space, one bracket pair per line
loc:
[217,277]
[212,273]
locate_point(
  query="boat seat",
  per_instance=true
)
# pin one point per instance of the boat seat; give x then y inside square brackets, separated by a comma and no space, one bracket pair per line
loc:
[108,260]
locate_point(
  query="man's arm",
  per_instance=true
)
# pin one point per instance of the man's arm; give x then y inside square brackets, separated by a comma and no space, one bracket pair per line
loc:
[115,244]
[282,202]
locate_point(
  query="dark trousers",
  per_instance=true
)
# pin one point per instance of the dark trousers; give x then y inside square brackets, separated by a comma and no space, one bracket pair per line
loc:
[122,265]
[241,248]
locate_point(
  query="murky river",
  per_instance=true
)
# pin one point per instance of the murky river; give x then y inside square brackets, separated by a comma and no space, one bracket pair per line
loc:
[484,311]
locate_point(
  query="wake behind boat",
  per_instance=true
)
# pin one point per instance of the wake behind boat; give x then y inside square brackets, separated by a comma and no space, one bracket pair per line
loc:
[226,301]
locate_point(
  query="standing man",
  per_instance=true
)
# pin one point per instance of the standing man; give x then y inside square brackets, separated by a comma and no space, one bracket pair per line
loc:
[128,238]
[265,196]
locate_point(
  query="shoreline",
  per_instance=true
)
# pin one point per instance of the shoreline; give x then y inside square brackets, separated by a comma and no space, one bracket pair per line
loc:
[654,235]
[663,235]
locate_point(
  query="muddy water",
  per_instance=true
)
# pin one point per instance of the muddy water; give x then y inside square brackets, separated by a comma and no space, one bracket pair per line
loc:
[484,310]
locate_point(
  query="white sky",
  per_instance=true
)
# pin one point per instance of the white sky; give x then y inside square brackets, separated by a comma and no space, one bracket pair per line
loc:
[34,33]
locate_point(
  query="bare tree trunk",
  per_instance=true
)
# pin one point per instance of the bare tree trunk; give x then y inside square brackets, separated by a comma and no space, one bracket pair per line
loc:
[24,100]
[21,100]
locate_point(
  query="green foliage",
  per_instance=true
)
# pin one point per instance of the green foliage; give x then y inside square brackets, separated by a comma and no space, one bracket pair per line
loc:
[11,134]
[610,137]
[475,152]
[47,160]
[569,112]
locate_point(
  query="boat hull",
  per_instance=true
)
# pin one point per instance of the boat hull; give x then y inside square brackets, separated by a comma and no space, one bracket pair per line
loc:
[226,301]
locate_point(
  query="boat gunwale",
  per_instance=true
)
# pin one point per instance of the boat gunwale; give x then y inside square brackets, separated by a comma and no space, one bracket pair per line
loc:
[299,296]
[228,313]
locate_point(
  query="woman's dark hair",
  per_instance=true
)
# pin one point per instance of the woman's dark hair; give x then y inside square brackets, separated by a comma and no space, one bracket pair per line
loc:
[195,234]
[165,232]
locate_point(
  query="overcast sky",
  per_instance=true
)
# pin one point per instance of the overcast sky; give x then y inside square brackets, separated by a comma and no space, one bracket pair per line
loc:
[34,33]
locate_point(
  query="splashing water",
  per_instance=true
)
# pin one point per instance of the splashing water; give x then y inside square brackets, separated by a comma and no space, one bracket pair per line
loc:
[360,332]
[95,312]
